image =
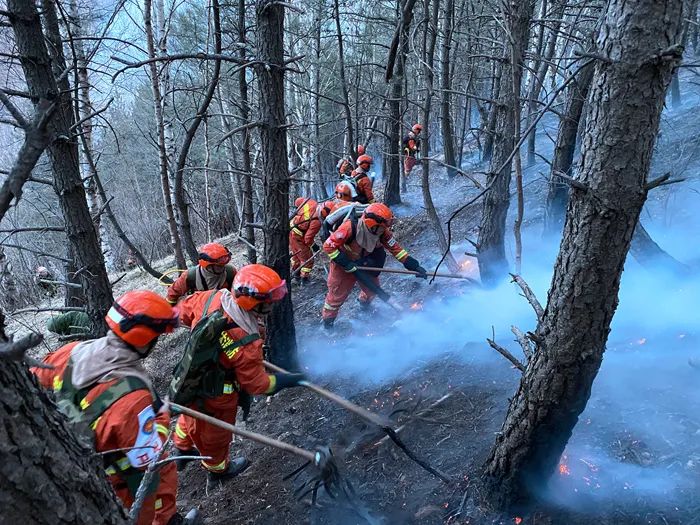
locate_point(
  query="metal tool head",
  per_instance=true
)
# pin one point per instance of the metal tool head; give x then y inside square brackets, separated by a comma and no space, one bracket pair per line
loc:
[326,474]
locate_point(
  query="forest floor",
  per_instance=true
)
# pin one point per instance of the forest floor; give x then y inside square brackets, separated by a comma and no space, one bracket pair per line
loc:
[432,362]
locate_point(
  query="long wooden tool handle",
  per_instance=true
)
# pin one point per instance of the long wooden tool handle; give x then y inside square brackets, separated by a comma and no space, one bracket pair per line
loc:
[253,436]
[365,414]
[411,272]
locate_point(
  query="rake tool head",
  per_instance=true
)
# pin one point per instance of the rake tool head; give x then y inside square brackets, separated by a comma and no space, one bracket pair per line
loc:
[326,474]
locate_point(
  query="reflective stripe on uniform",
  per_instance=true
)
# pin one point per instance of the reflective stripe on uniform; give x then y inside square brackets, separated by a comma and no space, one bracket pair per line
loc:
[329,307]
[159,504]
[179,432]
[84,403]
[306,270]
[273,384]
[94,424]
[57,383]
[215,468]
[162,429]
[297,231]
[401,254]
[334,254]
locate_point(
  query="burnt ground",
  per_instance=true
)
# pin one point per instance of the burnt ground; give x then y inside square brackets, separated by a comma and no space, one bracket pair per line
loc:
[455,435]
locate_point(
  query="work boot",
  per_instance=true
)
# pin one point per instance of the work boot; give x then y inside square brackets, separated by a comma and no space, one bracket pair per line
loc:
[328,324]
[182,463]
[193,517]
[235,467]
[304,281]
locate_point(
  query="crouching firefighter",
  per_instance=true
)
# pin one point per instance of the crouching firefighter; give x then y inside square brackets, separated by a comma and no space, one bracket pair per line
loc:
[303,228]
[223,364]
[213,272]
[103,384]
[358,243]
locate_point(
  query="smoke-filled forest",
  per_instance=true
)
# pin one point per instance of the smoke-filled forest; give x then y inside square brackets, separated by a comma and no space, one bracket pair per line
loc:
[330,262]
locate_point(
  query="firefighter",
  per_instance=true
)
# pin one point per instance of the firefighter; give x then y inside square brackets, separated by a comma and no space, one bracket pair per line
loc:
[212,273]
[343,196]
[103,384]
[362,181]
[45,280]
[303,227]
[411,146]
[240,355]
[361,243]
[345,167]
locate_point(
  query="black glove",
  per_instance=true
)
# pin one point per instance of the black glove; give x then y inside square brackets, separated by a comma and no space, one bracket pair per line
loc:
[288,381]
[347,265]
[315,247]
[414,266]
[244,401]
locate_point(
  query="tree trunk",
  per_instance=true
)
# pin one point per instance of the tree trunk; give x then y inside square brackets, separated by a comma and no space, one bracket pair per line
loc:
[490,129]
[48,475]
[281,335]
[564,150]
[429,41]
[163,164]
[349,130]
[37,63]
[493,265]
[650,255]
[538,79]
[315,153]
[248,219]
[8,285]
[446,123]
[180,197]
[627,96]
[83,112]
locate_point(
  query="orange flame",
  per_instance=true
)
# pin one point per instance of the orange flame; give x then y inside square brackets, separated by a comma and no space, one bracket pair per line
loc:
[518,520]
[563,467]
[416,306]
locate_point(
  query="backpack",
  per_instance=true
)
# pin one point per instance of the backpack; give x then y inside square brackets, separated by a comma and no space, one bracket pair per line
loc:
[199,375]
[192,278]
[352,212]
[71,402]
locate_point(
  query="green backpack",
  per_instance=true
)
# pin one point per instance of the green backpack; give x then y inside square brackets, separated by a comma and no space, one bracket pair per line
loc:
[199,374]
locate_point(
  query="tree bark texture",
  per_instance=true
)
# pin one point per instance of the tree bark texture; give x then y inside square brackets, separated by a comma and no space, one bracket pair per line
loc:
[281,334]
[48,475]
[446,124]
[626,99]
[562,161]
[39,65]
[493,265]
[349,129]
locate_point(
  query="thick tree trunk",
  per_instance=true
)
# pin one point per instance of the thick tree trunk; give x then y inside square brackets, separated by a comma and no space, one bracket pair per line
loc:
[163,164]
[315,153]
[627,97]
[48,475]
[448,138]
[650,255]
[564,150]
[281,334]
[349,129]
[39,66]
[493,265]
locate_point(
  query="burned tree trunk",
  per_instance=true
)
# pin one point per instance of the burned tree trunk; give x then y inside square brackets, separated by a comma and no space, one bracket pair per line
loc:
[39,65]
[563,159]
[491,253]
[639,42]
[650,255]
[281,335]
[446,123]
[47,475]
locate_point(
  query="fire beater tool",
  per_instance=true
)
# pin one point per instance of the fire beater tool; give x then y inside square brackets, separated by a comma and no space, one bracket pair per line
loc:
[376,289]
[411,272]
[382,422]
[327,475]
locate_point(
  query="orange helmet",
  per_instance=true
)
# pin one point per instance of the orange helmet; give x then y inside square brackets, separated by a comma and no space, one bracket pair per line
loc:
[360,149]
[140,316]
[214,253]
[364,159]
[378,214]
[345,191]
[417,128]
[257,283]
[299,201]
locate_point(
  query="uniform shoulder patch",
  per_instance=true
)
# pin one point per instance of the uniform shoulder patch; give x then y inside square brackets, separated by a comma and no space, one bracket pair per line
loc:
[148,444]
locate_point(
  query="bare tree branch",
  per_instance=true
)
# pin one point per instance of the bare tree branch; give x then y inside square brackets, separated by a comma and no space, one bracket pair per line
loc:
[529,295]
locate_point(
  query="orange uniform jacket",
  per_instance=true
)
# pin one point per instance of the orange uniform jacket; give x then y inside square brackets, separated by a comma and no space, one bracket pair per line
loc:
[246,360]
[119,427]
[364,187]
[342,239]
[180,287]
[305,223]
